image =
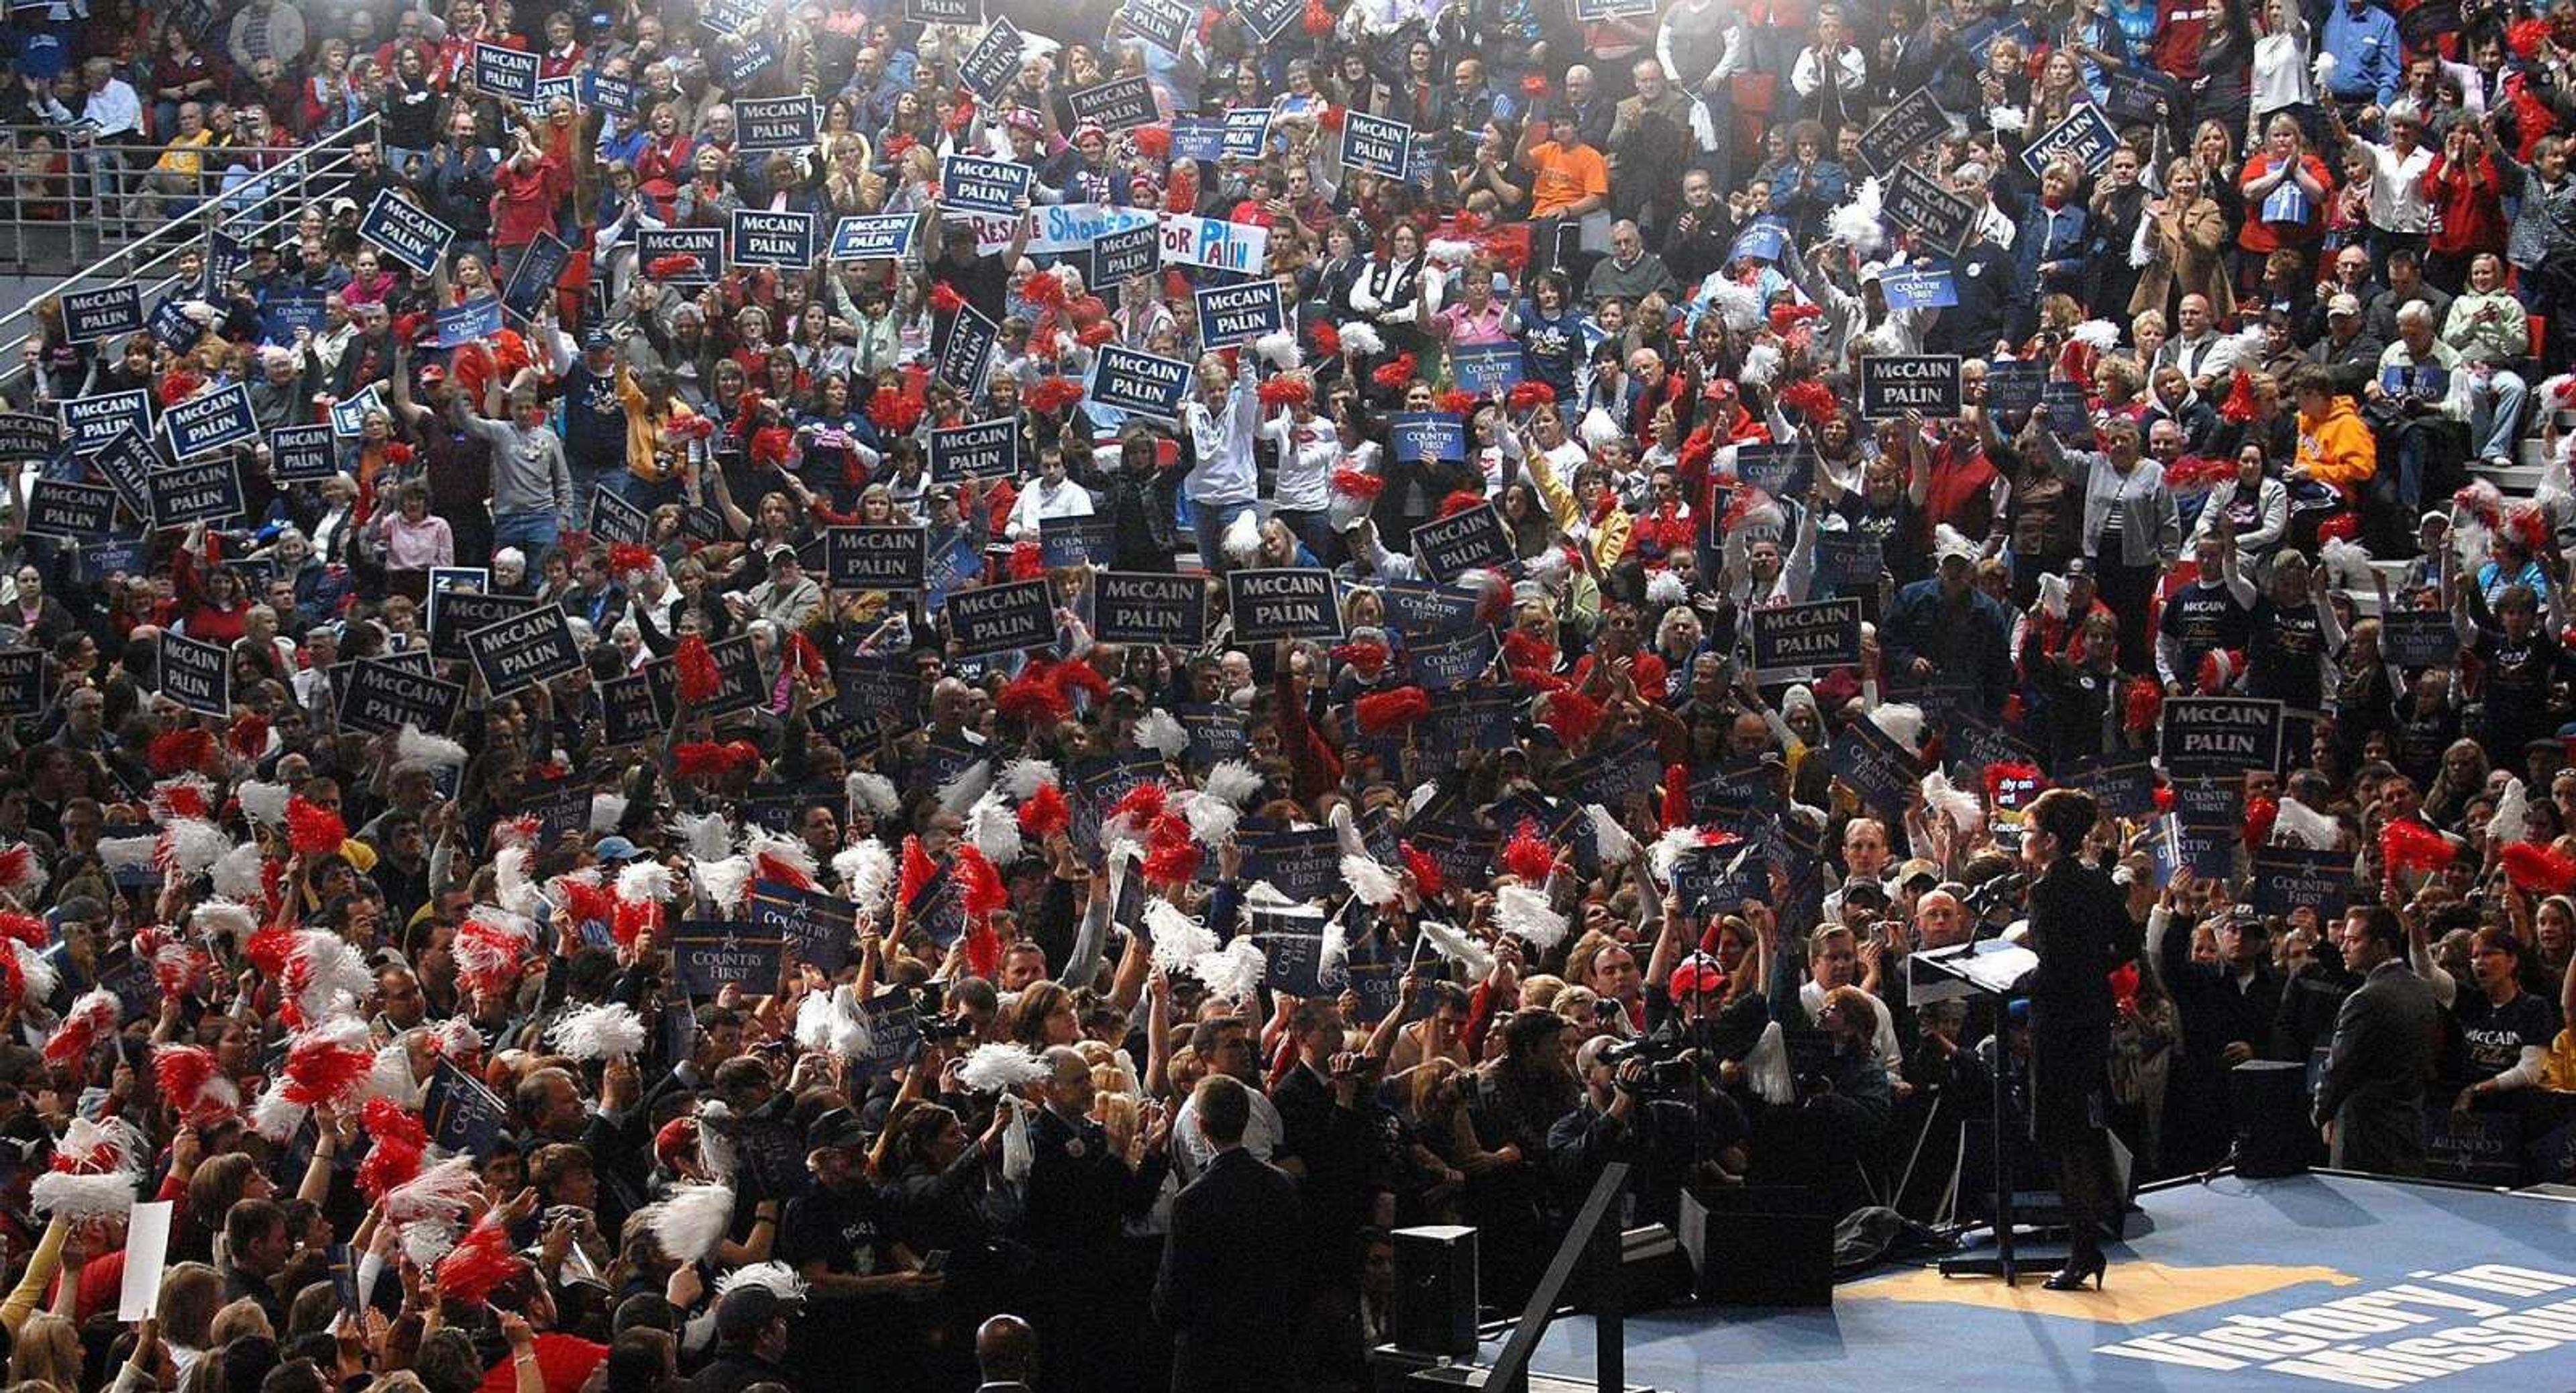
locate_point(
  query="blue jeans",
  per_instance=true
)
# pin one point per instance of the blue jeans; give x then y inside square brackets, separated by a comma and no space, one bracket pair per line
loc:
[533,534]
[2495,413]
[646,494]
[1208,520]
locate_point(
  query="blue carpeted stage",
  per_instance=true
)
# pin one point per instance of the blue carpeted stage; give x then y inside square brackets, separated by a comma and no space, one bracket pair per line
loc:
[2237,1286]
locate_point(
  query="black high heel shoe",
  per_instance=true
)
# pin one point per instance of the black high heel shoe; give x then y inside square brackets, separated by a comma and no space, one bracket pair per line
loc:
[2079,1267]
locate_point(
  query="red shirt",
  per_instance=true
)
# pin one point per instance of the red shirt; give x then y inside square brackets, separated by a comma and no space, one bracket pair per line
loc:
[2467,217]
[523,203]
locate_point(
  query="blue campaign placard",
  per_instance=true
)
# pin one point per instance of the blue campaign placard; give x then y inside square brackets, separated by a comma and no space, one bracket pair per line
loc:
[1428,435]
[1377,145]
[1763,239]
[1485,369]
[1919,290]
[1198,138]
[91,315]
[780,239]
[349,418]
[171,327]
[538,268]
[209,422]
[226,255]
[967,352]
[567,87]
[91,424]
[971,184]
[506,72]
[872,237]
[1247,132]
[1138,382]
[614,95]
[2085,138]
[993,62]
[406,233]
[1233,314]
[285,311]
[476,319]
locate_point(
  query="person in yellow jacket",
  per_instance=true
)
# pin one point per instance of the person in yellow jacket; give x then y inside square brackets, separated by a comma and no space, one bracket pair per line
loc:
[1589,514]
[2335,446]
[656,434]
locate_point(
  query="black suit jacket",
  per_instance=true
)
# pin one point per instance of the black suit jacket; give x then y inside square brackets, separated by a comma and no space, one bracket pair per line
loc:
[1229,1285]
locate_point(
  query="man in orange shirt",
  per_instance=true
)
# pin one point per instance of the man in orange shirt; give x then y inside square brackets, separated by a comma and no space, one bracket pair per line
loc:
[1568,180]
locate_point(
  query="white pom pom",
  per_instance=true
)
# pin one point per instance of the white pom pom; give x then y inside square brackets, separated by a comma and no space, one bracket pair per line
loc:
[965,786]
[1856,224]
[1178,939]
[510,884]
[1360,337]
[1021,778]
[994,829]
[1670,848]
[1761,365]
[237,873]
[1232,780]
[37,971]
[867,873]
[998,1067]
[1242,539]
[1962,807]
[725,882]
[442,1190]
[2052,596]
[607,810]
[1524,911]
[1600,430]
[68,1196]
[274,1117]
[1449,251]
[1279,349]
[707,835]
[129,853]
[1234,972]
[1156,730]
[1547,568]
[1457,947]
[2346,561]
[425,1241]
[781,1280]
[2324,67]
[1610,841]
[416,746]
[195,845]
[1373,883]
[111,1144]
[645,882]
[1212,819]
[2297,824]
[831,1023]
[604,1031]
[2100,335]
[391,1077]
[2008,119]
[1740,305]
[2505,828]
[1902,722]
[874,792]
[689,1224]
[781,851]
[1665,588]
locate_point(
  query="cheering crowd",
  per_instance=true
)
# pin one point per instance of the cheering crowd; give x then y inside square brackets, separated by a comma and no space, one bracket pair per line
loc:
[756,971]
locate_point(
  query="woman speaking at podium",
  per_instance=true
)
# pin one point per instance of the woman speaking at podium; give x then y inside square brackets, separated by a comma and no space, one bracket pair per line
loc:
[2080,928]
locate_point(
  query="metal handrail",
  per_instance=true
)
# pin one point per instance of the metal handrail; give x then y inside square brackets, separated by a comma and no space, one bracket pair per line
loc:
[270,199]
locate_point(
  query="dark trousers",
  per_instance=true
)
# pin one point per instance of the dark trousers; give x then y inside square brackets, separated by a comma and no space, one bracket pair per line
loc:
[2129,591]
[2088,1188]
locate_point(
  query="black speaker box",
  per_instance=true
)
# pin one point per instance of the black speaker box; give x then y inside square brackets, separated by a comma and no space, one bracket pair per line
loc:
[2268,1101]
[1760,1245]
[1435,1290]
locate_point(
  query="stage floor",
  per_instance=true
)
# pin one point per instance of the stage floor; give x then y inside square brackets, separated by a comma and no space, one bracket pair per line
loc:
[2239,1285]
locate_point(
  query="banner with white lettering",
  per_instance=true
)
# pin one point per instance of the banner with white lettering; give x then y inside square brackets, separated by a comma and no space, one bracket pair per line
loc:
[1118,104]
[973,184]
[506,72]
[1234,314]
[993,62]
[1893,384]
[1283,602]
[1376,145]
[872,237]
[1001,618]
[764,238]
[681,256]
[1129,251]
[25,435]
[92,424]
[198,491]
[772,123]
[1139,383]
[1468,540]
[2085,139]
[2219,735]
[523,650]
[1215,243]
[103,313]
[967,353]
[1906,128]
[541,263]
[474,321]
[1821,634]
[406,232]
[378,697]
[196,674]
[69,512]
[1149,607]
[876,558]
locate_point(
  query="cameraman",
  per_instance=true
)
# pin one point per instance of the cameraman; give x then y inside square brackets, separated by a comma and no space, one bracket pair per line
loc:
[1638,1109]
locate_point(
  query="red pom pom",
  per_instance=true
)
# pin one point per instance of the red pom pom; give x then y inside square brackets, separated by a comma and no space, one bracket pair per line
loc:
[1053,394]
[1028,561]
[1044,813]
[662,268]
[1281,392]
[1458,402]
[1380,712]
[313,830]
[1141,805]
[1152,142]
[1532,660]
[1527,855]
[26,929]
[2260,813]
[1096,333]
[1171,853]
[980,884]
[2012,784]
[2199,472]
[1033,698]
[1318,20]
[694,665]
[1574,717]
[2524,37]
[178,751]
[2342,526]
[1810,398]
[627,558]
[1328,340]
[895,412]
[2239,405]
[2534,869]
[182,1071]
[399,452]
[1395,372]
[771,445]
[17,867]
[1330,118]
[983,949]
[2408,845]
[1078,676]
[2144,703]
[320,1069]
[479,1264]
[944,298]
[582,901]
[1424,870]
[1530,395]
[1366,655]
[704,760]
[1356,483]
[1462,501]
[1534,86]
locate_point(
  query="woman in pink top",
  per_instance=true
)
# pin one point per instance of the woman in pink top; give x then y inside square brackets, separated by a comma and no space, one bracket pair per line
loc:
[415,539]
[1473,318]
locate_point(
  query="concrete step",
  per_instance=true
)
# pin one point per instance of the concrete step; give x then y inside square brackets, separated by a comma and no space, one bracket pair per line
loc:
[2512,480]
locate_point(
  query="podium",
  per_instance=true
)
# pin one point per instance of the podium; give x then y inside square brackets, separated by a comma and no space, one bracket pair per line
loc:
[1987,968]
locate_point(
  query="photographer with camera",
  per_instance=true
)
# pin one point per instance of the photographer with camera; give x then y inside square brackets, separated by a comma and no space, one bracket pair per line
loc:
[1654,1113]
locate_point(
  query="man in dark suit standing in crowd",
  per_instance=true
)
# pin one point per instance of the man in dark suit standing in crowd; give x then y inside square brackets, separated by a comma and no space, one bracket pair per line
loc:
[2371,1100]
[1229,1283]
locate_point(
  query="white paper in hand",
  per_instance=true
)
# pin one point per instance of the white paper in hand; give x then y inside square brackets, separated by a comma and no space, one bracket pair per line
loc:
[147,1250]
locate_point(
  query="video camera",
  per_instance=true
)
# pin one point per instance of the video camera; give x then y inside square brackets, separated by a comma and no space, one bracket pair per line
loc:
[1667,1071]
